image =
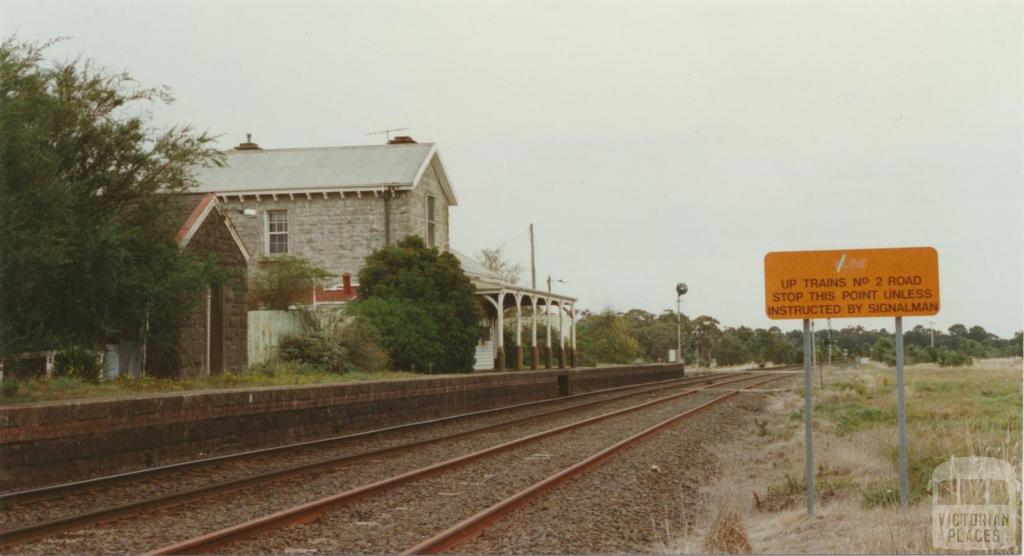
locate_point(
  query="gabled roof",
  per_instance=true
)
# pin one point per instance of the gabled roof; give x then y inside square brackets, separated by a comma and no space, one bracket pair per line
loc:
[323,169]
[193,208]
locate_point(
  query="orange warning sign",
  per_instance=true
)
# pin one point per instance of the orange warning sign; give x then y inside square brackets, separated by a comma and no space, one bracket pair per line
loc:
[899,282]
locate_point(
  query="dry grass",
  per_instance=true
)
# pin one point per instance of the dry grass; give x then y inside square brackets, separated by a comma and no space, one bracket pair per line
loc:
[272,373]
[727,535]
[961,412]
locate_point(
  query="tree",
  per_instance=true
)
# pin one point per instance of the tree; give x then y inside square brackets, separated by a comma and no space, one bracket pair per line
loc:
[495,261]
[918,354]
[884,350]
[958,330]
[87,221]
[406,332]
[656,334]
[947,358]
[609,339]
[731,350]
[434,282]
[282,280]
[855,340]
[979,334]
[707,334]
[637,318]
[917,336]
[584,349]
[774,347]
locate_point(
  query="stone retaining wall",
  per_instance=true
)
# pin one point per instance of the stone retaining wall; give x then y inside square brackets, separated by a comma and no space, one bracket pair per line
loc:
[64,441]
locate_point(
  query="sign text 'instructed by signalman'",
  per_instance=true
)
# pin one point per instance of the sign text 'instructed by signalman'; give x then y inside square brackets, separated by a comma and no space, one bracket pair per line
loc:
[852,283]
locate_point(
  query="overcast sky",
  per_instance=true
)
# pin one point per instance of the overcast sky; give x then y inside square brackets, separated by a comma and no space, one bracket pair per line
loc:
[648,142]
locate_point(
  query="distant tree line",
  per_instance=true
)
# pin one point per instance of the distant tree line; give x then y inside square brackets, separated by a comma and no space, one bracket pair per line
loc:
[637,335]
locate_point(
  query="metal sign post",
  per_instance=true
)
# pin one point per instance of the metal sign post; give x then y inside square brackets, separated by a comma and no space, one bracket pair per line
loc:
[808,414]
[828,342]
[901,416]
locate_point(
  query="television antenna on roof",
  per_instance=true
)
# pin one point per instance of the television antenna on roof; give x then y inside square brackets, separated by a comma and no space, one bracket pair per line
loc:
[387,132]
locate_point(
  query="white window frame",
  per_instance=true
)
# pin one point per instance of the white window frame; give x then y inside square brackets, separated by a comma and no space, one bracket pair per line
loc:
[267,234]
[431,220]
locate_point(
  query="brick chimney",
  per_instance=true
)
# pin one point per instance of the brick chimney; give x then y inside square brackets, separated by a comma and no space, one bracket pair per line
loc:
[400,139]
[346,281]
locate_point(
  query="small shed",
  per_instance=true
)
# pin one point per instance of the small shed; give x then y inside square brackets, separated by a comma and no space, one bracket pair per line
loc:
[214,336]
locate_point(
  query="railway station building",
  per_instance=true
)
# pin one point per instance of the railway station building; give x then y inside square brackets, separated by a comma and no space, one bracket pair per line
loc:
[334,206]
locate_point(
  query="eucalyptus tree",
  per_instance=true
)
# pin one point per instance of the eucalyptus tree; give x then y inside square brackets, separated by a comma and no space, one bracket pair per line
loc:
[87,219]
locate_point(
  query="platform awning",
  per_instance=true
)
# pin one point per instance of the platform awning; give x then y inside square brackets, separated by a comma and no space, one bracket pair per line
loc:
[499,295]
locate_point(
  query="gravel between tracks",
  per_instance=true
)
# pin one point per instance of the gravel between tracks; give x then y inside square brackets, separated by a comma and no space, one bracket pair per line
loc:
[398,518]
[13,515]
[641,498]
[174,524]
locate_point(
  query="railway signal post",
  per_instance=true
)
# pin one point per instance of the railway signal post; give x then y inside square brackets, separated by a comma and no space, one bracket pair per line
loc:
[855,283]
[681,290]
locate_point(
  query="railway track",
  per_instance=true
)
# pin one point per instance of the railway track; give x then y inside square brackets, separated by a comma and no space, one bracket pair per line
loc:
[469,528]
[415,487]
[218,465]
[31,531]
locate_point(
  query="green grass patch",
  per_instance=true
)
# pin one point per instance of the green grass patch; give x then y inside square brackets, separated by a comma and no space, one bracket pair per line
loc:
[852,385]
[936,387]
[885,495]
[1000,400]
[950,412]
[790,485]
[974,397]
[850,416]
[920,464]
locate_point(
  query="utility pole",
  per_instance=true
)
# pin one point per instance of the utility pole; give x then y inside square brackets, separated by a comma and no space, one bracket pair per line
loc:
[679,328]
[931,331]
[533,264]
[829,342]
[560,281]
[696,346]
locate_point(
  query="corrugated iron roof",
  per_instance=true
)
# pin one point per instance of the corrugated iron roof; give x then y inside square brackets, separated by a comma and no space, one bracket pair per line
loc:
[474,268]
[484,279]
[322,168]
